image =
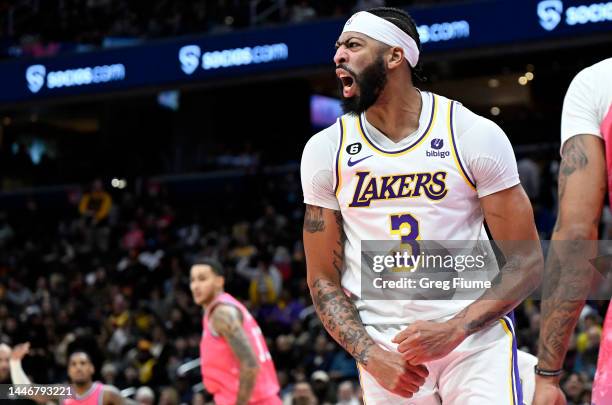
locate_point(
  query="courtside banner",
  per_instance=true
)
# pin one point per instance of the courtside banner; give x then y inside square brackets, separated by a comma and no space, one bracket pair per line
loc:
[184,61]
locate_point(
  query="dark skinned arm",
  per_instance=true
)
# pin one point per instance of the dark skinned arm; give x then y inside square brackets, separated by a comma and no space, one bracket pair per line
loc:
[324,246]
[510,219]
[582,188]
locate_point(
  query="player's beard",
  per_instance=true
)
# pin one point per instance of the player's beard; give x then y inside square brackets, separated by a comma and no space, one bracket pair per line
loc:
[371,82]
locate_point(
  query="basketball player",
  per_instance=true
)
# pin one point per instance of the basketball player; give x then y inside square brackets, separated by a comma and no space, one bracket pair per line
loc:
[407,164]
[235,362]
[80,371]
[586,146]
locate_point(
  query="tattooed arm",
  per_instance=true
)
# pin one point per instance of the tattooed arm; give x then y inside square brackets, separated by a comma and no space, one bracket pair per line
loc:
[227,322]
[582,186]
[324,246]
[510,220]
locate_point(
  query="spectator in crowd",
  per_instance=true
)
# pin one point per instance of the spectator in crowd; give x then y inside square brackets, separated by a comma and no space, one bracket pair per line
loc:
[529,174]
[301,395]
[322,387]
[302,11]
[368,4]
[265,279]
[169,396]
[145,396]
[198,399]
[6,232]
[96,204]
[346,394]
[574,387]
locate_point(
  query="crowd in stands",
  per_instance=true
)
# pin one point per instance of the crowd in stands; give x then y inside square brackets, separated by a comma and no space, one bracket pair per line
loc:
[40,27]
[109,275]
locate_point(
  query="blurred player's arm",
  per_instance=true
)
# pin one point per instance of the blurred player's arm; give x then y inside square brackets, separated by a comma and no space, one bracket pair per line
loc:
[324,246]
[18,375]
[568,275]
[226,321]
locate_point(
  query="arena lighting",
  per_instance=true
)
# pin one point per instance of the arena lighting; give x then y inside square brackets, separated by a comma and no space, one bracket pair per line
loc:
[495,111]
[529,76]
[119,183]
[493,83]
[523,81]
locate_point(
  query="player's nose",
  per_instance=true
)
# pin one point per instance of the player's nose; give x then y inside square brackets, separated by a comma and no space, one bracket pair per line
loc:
[341,55]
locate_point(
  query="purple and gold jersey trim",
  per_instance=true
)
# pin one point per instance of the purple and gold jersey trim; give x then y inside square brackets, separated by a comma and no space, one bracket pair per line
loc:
[516,391]
[366,137]
[338,154]
[454,150]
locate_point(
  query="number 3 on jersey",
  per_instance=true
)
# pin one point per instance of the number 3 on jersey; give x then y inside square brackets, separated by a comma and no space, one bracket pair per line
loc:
[407,228]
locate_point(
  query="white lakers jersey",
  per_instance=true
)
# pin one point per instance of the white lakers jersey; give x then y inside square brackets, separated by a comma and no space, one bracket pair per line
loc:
[419,191]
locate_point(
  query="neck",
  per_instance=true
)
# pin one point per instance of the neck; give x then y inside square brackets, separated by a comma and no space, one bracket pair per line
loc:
[210,301]
[396,112]
[81,389]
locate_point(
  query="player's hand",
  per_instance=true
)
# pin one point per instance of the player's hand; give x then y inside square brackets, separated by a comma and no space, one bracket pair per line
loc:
[395,373]
[20,350]
[425,341]
[548,392]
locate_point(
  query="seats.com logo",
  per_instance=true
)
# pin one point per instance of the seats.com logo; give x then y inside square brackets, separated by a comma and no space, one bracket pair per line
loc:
[550,12]
[35,76]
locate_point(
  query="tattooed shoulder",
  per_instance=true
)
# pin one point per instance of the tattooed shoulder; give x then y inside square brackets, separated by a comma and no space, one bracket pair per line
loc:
[313,219]
[574,155]
[574,158]
[225,318]
[227,322]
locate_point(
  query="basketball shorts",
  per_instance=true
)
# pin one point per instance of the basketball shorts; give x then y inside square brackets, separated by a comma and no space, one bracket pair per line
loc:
[482,370]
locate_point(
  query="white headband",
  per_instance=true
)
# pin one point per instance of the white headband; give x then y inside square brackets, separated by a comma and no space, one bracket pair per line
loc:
[384,31]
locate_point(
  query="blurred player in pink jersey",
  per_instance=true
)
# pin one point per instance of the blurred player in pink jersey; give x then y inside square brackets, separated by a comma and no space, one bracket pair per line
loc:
[85,391]
[586,169]
[235,362]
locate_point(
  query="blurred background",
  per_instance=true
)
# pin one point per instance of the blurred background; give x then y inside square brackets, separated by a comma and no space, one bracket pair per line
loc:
[136,135]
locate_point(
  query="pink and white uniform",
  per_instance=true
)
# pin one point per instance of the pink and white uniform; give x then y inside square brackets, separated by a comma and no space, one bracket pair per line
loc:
[220,367]
[93,396]
[587,109]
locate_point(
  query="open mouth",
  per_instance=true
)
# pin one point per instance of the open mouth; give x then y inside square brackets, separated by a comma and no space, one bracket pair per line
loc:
[348,83]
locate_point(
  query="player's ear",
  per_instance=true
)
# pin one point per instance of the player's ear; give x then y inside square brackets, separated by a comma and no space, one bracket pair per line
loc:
[220,282]
[395,57]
